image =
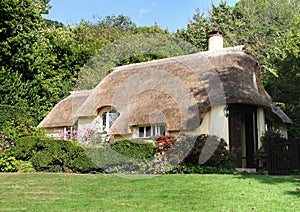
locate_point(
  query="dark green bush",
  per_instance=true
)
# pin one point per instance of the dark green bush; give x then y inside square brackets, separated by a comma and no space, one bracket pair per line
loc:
[52,155]
[17,121]
[193,154]
[268,138]
[135,149]
[272,137]
[188,149]
[217,153]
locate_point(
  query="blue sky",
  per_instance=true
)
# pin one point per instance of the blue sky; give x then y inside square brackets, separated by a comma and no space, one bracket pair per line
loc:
[173,14]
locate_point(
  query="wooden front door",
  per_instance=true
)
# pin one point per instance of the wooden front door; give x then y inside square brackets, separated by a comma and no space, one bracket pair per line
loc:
[243,134]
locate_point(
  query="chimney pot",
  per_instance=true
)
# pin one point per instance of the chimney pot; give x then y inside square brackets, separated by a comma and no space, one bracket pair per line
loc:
[215,40]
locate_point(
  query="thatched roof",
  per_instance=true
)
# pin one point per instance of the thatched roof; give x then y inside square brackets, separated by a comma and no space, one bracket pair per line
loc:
[176,91]
[63,114]
[179,90]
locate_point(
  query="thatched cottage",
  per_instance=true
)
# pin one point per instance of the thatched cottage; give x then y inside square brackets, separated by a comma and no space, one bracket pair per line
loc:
[217,92]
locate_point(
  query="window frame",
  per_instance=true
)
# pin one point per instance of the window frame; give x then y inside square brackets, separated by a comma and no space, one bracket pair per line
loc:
[106,121]
[154,130]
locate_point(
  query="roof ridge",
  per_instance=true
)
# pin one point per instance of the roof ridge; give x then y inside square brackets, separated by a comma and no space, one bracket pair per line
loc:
[204,53]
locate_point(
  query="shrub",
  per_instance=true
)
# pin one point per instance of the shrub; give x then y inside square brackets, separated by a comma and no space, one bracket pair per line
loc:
[17,121]
[198,169]
[272,137]
[47,154]
[8,163]
[268,138]
[193,152]
[135,149]
[24,166]
[123,156]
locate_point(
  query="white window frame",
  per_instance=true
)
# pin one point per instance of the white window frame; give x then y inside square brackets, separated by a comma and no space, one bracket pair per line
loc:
[154,130]
[110,117]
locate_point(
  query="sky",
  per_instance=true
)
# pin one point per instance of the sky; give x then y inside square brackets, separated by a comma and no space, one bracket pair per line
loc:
[171,14]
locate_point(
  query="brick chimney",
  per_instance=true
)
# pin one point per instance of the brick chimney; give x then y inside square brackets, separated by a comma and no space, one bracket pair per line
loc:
[215,40]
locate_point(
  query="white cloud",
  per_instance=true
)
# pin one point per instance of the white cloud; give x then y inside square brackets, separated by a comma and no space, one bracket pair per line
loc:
[144,11]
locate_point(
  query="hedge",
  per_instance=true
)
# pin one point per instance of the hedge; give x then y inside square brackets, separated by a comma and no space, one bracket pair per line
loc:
[51,155]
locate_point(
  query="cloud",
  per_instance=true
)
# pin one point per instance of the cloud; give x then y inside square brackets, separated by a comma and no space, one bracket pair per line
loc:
[144,11]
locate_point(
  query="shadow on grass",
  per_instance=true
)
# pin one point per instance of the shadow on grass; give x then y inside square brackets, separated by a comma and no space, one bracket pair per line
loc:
[273,180]
[294,193]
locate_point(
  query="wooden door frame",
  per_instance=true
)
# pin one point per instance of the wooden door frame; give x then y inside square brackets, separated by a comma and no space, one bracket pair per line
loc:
[243,134]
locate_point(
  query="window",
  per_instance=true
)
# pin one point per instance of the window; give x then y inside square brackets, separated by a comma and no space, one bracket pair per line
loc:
[268,122]
[149,131]
[269,125]
[108,119]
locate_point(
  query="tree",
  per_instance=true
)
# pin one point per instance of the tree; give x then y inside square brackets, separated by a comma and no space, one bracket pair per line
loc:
[196,32]
[284,86]
[38,65]
[106,30]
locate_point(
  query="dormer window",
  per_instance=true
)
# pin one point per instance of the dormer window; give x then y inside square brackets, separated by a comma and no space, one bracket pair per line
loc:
[108,118]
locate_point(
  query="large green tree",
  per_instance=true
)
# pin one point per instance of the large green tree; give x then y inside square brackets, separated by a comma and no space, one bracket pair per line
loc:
[38,64]
[284,85]
[196,32]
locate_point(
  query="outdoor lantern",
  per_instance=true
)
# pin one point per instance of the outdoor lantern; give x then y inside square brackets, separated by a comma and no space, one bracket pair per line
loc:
[226,111]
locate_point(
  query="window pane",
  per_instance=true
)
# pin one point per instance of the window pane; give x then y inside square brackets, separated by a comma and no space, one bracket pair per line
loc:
[162,130]
[148,131]
[141,132]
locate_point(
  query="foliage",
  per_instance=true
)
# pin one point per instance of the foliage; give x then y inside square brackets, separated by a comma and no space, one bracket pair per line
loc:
[168,155]
[24,166]
[268,138]
[135,149]
[151,29]
[6,144]
[192,151]
[272,137]
[95,36]
[89,137]
[199,169]
[17,121]
[135,48]
[68,135]
[196,32]
[8,163]
[51,155]
[285,84]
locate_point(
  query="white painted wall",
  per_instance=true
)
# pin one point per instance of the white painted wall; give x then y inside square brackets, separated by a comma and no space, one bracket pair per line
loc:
[88,123]
[214,123]
[219,123]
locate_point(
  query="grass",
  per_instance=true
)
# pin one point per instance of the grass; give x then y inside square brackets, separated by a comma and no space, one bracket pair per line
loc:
[70,192]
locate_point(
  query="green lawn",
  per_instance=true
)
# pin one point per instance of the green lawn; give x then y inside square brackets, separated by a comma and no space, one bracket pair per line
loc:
[67,192]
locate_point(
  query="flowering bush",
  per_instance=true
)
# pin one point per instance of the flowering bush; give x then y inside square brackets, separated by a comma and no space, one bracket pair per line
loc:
[68,135]
[184,151]
[86,137]
[6,144]
[8,163]
[91,138]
